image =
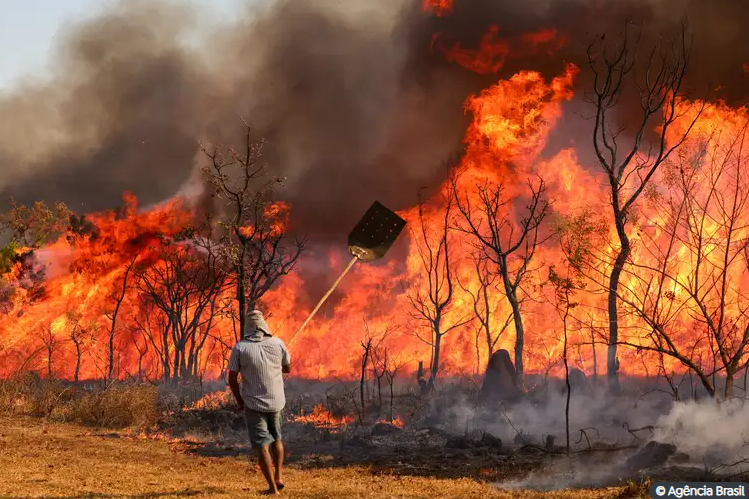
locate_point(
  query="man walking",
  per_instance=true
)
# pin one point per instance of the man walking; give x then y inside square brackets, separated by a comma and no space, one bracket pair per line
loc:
[262,360]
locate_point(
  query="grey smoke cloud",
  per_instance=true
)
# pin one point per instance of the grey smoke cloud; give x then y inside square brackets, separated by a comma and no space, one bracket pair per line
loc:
[353,103]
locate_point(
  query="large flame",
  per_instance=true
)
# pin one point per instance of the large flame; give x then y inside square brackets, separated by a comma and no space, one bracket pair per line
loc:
[510,128]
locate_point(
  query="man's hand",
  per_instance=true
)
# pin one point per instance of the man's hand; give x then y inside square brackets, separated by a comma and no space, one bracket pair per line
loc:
[234,385]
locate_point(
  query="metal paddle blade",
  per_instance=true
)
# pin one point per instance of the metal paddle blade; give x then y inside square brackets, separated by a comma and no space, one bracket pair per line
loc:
[375,233]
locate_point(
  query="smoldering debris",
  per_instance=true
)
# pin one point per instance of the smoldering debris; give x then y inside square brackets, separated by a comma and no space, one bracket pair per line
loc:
[614,439]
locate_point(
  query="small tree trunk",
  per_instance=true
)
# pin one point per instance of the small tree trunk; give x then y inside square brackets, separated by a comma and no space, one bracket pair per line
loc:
[77,371]
[435,359]
[595,356]
[49,362]
[392,397]
[567,381]
[612,365]
[363,379]
[728,391]
[519,338]
[379,390]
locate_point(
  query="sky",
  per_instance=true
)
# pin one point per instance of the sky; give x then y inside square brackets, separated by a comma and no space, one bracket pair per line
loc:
[30,28]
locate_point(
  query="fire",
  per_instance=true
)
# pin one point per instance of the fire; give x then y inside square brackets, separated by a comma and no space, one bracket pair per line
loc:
[493,50]
[439,7]
[322,418]
[398,422]
[505,143]
[214,400]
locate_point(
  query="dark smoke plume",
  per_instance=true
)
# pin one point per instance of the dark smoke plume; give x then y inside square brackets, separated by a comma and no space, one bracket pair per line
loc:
[353,102]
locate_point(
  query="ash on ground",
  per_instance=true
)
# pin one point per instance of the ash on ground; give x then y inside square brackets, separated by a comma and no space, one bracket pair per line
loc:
[456,432]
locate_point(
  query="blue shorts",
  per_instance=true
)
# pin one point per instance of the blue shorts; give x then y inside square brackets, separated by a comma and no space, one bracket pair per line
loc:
[263,428]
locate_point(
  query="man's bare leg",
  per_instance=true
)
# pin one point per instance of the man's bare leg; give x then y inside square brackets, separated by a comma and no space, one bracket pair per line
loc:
[276,449]
[263,457]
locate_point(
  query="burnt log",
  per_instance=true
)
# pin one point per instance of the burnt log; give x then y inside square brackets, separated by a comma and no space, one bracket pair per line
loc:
[385,429]
[489,440]
[500,381]
[651,455]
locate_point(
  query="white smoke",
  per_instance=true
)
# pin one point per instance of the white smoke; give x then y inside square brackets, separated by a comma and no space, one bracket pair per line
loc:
[709,437]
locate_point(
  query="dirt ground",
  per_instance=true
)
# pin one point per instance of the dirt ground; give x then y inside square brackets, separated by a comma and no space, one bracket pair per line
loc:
[40,459]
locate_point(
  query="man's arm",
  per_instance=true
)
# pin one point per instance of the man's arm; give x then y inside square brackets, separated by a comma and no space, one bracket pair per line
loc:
[233,383]
[285,360]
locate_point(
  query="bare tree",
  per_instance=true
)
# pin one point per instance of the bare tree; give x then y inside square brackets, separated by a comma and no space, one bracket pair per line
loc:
[184,286]
[117,298]
[78,335]
[508,246]
[378,354]
[155,327]
[255,236]
[625,154]
[142,347]
[367,351]
[575,241]
[49,339]
[484,303]
[433,299]
[391,364]
[706,220]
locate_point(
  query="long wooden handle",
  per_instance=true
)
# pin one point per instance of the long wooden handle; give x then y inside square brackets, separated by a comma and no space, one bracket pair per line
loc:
[325,297]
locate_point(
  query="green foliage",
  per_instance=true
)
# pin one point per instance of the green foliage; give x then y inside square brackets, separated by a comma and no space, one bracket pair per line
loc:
[34,225]
[8,255]
[579,235]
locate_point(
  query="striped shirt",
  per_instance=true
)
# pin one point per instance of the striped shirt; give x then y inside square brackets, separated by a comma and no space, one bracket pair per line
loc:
[259,359]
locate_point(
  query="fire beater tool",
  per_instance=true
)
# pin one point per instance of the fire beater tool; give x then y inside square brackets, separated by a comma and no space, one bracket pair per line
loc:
[370,239]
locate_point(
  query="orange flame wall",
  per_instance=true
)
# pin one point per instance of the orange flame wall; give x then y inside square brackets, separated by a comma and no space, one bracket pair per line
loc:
[511,123]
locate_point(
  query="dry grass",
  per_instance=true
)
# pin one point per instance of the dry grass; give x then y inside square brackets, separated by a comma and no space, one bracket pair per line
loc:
[117,406]
[47,459]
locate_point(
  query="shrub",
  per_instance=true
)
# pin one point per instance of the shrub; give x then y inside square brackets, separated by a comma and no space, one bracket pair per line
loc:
[116,406]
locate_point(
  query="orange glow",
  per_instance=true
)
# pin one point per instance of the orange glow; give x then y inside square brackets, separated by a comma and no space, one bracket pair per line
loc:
[506,142]
[320,417]
[493,50]
[439,7]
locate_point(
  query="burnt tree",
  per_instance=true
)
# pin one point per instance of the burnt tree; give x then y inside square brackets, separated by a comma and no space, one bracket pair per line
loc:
[78,335]
[484,303]
[575,240]
[630,154]
[508,245]
[432,296]
[184,285]
[50,342]
[142,347]
[255,238]
[117,298]
[696,281]
[156,328]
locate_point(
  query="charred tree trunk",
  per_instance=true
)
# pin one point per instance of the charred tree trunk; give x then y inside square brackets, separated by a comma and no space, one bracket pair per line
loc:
[519,337]
[612,362]
[364,362]
[241,276]
[118,297]
[731,371]
[78,354]
[50,350]
[435,368]
[569,385]
[595,355]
